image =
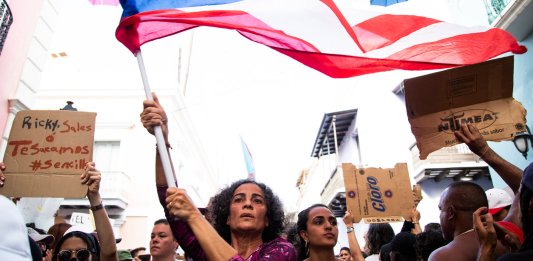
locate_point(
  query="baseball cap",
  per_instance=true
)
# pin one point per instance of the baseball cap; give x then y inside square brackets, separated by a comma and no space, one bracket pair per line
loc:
[498,200]
[36,236]
[513,229]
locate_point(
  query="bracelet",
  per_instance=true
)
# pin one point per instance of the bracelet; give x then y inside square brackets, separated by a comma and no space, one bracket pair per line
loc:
[166,144]
[349,229]
[414,222]
[97,207]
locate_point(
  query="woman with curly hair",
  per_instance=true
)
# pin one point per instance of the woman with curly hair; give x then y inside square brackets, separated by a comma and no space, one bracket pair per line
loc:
[377,236]
[247,217]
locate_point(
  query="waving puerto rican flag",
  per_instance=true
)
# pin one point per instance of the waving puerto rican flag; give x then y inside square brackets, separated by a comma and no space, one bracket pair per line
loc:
[338,43]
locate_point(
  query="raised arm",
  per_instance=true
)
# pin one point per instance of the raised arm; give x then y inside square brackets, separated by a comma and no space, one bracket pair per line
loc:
[511,174]
[108,248]
[352,240]
[182,207]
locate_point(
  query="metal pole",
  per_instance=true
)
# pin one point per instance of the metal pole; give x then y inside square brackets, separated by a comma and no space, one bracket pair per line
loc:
[161,145]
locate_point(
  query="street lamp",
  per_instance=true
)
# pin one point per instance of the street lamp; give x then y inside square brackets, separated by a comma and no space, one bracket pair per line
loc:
[69,107]
[522,141]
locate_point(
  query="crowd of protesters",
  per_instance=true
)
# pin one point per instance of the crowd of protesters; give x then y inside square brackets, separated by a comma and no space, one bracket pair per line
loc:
[246,221]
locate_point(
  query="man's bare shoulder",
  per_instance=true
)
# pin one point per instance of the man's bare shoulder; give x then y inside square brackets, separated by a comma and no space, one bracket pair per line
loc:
[441,253]
[458,251]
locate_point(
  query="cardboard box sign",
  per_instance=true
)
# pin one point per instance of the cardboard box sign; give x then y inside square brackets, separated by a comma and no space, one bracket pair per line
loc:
[378,195]
[46,153]
[481,94]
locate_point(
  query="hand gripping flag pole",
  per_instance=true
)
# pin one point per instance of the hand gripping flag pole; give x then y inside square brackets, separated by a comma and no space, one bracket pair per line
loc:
[161,145]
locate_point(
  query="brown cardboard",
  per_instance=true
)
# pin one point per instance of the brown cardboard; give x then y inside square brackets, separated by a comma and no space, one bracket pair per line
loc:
[481,94]
[378,195]
[46,153]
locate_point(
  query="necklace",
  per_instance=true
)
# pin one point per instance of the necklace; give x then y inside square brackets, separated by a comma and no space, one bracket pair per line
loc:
[470,230]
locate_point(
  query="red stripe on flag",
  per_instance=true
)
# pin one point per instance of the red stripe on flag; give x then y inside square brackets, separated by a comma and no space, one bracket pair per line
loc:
[384,30]
[462,49]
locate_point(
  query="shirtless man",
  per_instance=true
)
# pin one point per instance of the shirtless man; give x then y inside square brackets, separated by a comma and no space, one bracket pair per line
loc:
[461,199]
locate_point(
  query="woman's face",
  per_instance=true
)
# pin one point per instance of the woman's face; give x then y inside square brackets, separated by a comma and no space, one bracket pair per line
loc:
[345,255]
[248,209]
[321,228]
[72,248]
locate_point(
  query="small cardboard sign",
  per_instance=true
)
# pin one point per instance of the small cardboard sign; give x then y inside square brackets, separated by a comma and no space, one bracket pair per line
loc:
[481,94]
[378,195]
[46,153]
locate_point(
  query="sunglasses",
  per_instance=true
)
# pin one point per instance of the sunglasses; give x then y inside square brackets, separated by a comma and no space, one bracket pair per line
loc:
[81,254]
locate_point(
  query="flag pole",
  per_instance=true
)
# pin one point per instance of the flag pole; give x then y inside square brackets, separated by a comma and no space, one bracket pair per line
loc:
[161,145]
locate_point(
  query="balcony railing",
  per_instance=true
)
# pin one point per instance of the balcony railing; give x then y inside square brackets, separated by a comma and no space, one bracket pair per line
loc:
[455,157]
[6,19]
[495,8]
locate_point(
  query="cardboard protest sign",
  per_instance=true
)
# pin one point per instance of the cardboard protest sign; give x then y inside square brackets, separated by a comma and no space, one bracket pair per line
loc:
[378,195]
[481,94]
[46,153]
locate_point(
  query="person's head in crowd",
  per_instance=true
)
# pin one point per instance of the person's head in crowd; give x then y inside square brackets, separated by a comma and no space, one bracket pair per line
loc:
[402,247]
[526,202]
[345,254]
[290,233]
[433,227]
[43,240]
[77,244]
[499,203]
[247,197]
[318,232]
[457,204]
[124,255]
[428,241]
[376,236]
[57,231]
[384,252]
[14,239]
[138,251]
[163,245]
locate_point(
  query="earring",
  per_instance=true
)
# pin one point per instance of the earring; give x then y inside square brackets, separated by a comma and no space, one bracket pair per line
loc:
[306,249]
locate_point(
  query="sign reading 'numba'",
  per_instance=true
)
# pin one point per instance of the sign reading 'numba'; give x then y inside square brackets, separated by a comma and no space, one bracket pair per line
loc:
[46,153]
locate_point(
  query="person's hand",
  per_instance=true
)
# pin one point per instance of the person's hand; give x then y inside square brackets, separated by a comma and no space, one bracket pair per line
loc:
[348,219]
[180,205]
[2,177]
[484,227]
[152,115]
[48,256]
[414,215]
[507,238]
[470,135]
[91,177]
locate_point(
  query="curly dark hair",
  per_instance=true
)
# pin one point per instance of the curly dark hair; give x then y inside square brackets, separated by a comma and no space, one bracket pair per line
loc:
[377,236]
[427,242]
[301,224]
[220,210]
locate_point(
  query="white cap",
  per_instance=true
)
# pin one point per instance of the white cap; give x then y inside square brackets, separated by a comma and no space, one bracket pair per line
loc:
[14,242]
[36,236]
[498,199]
